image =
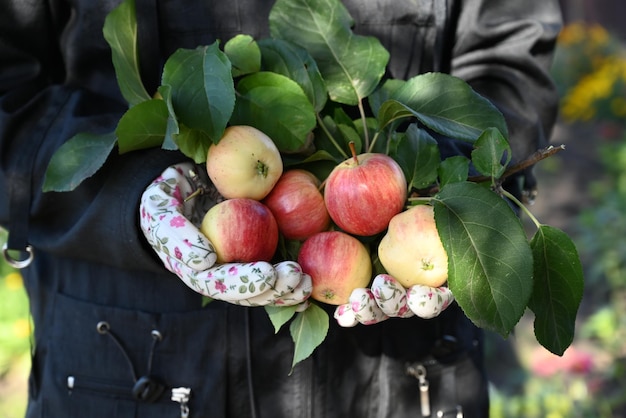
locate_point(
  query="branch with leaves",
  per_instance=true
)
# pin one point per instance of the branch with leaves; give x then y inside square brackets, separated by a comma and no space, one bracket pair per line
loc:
[295,86]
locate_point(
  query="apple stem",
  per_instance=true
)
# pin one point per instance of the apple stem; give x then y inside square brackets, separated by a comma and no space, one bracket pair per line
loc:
[322,185]
[196,193]
[353,151]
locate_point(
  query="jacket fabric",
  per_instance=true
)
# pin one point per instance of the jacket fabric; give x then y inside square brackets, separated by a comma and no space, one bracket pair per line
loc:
[109,319]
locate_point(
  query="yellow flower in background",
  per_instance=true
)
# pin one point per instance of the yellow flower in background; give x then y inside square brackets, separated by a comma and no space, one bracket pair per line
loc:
[572,34]
[592,70]
[13,281]
[22,328]
[597,35]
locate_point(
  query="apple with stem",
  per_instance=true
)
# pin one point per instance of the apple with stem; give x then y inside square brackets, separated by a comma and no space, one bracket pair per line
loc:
[338,263]
[245,163]
[364,192]
[411,250]
[298,205]
[241,230]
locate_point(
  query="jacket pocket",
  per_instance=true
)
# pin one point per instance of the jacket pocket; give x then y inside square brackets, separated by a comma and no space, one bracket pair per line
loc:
[94,370]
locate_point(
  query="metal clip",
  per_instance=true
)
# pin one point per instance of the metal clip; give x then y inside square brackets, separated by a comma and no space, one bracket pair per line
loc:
[419,372]
[182,395]
[18,264]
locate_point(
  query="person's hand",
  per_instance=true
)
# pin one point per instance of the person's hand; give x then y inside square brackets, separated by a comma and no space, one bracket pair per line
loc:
[171,208]
[386,298]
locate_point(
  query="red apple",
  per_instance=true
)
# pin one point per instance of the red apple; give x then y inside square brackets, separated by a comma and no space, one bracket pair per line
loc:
[363,193]
[241,230]
[338,263]
[298,205]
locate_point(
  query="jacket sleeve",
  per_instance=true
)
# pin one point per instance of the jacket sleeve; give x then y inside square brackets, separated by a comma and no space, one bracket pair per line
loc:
[56,79]
[503,49]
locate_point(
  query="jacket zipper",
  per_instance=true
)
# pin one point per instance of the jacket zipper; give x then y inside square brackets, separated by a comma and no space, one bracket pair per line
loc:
[418,371]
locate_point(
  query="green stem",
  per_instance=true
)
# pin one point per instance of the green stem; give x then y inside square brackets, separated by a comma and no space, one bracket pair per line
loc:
[364,121]
[321,123]
[371,147]
[521,206]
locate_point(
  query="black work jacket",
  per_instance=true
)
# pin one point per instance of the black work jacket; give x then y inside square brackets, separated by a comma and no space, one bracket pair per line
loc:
[92,264]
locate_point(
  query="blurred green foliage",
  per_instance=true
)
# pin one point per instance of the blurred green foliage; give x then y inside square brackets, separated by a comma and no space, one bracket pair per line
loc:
[15,332]
[590,72]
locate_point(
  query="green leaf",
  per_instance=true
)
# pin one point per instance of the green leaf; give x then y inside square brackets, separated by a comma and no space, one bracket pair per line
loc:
[286,58]
[193,143]
[277,106]
[453,170]
[352,65]
[418,154]
[120,32]
[244,55]
[490,266]
[308,331]
[172,129]
[491,153]
[76,160]
[202,90]
[142,126]
[280,315]
[444,103]
[383,93]
[558,288]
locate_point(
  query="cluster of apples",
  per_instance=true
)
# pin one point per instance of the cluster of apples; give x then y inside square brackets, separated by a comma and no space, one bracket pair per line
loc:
[363,196]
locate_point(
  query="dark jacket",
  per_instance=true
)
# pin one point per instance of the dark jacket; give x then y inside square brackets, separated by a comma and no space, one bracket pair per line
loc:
[92,263]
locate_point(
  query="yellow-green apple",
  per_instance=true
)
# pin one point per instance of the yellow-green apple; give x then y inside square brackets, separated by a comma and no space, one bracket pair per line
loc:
[245,163]
[411,250]
[298,205]
[338,263]
[364,192]
[241,230]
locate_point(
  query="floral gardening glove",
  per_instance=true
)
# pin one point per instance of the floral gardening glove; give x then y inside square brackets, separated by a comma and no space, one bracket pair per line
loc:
[169,216]
[387,298]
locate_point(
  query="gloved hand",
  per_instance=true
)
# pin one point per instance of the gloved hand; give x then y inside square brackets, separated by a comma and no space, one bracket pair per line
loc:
[169,219]
[387,298]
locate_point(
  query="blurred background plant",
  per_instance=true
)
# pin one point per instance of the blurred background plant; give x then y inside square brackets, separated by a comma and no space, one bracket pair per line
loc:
[590,73]
[589,380]
[15,332]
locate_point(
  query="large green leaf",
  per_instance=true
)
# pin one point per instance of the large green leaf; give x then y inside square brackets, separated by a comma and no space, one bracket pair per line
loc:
[308,330]
[558,288]
[489,258]
[76,160]
[142,126]
[202,89]
[120,32]
[277,106]
[351,65]
[445,104]
[286,58]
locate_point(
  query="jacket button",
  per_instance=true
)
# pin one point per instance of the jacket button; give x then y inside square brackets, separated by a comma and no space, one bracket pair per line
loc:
[147,389]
